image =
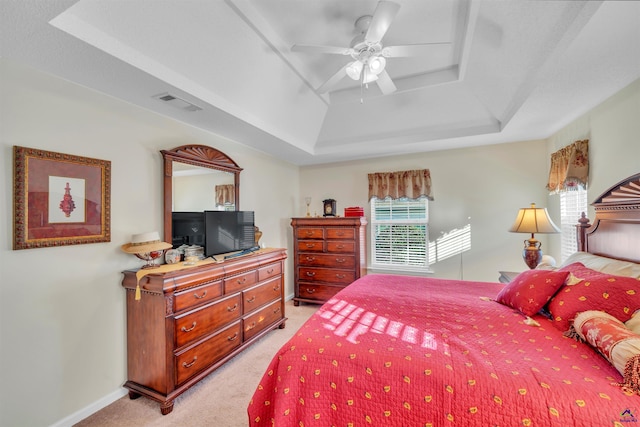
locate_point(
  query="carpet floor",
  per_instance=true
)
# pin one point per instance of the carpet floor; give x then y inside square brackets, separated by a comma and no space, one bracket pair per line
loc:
[221,399]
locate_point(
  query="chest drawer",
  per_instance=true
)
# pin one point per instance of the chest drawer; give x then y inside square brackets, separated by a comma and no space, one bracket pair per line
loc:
[196,296]
[310,246]
[269,271]
[320,260]
[261,294]
[207,319]
[258,321]
[239,282]
[341,247]
[207,352]
[328,275]
[318,292]
[310,233]
[341,233]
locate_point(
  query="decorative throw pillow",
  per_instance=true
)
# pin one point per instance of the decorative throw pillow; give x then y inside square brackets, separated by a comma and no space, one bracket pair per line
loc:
[529,291]
[617,295]
[634,322]
[614,341]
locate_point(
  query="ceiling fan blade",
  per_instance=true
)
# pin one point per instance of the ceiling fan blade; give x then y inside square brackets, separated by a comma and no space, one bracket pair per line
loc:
[419,49]
[342,72]
[383,16]
[385,83]
[321,49]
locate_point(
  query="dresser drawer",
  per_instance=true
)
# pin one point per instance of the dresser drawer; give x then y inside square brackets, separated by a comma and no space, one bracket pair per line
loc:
[268,271]
[310,246]
[263,318]
[341,247]
[328,275]
[261,294]
[241,281]
[310,233]
[319,260]
[318,292]
[207,352]
[196,296]
[341,233]
[196,324]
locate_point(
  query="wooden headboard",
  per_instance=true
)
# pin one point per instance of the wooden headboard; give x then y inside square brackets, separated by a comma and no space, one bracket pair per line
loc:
[615,232]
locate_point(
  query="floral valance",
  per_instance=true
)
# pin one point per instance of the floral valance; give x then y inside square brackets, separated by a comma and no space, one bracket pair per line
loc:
[225,194]
[411,184]
[569,168]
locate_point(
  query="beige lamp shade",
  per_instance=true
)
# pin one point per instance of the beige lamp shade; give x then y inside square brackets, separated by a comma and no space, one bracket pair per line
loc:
[533,220]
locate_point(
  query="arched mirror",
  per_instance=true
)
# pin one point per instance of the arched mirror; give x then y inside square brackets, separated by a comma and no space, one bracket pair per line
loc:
[198,178]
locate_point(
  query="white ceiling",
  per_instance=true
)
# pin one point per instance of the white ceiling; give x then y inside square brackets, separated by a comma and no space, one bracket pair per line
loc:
[512,71]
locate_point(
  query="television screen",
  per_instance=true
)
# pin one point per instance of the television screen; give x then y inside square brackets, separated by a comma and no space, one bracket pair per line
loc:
[228,231]
[188,228]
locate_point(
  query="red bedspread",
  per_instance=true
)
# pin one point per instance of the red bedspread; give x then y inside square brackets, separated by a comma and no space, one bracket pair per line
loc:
[406,351]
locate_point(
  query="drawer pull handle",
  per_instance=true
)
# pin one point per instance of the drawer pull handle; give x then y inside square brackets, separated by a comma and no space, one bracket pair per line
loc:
[233,337]
[340,233]
[340,276]
[252,299]
[311,245]
[309,233]
[231,309]
[251,326]
[204,294]
[340,260]
[270,271]
[340,246]
[193,362]
[185,329]
[311,273]
[277,310]
[276,288]
[311,290]
[311,258]
[241,281]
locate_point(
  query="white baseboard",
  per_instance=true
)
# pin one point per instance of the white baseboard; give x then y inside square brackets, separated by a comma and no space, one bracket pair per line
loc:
[83,413]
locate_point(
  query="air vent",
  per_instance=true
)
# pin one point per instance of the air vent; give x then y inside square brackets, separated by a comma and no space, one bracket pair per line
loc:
[176,102]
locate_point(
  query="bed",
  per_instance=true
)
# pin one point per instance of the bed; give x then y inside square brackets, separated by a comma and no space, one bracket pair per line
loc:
[407,351]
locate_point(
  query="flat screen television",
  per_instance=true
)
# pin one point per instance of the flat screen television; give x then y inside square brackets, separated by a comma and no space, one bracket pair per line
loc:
[228,231]
[188,228]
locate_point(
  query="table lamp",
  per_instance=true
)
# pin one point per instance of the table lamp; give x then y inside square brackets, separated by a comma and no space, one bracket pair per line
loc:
[533,220]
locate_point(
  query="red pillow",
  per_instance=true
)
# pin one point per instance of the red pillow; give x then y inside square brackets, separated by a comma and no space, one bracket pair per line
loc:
[529,291]
[618,296]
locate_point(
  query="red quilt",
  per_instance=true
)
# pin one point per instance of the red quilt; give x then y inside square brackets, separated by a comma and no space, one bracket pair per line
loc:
[407,351]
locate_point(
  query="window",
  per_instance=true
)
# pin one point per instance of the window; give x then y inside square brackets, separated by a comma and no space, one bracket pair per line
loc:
[400,234]
[572,204]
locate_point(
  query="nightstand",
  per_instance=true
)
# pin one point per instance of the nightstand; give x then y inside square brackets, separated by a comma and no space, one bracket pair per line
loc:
[507,276]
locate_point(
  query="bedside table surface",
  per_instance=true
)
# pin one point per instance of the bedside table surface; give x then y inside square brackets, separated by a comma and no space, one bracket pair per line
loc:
[507,276]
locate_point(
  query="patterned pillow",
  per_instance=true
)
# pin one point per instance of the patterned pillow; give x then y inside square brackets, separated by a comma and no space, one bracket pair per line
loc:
[634,322]
[529,291]
[588,289]
[613,340]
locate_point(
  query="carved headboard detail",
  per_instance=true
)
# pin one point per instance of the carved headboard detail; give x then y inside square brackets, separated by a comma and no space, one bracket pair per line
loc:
[615,232]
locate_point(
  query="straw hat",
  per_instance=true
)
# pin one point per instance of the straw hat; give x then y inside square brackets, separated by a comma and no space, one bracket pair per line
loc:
[145,242]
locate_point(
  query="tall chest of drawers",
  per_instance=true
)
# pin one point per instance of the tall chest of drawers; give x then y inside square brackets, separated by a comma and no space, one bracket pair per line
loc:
[330,253]
[189,322]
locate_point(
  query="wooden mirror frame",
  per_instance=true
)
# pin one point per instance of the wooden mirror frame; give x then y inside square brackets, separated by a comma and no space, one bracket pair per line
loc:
[196,155]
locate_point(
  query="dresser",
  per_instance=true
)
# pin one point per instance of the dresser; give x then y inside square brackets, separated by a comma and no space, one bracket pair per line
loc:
[330,253]
[188,322]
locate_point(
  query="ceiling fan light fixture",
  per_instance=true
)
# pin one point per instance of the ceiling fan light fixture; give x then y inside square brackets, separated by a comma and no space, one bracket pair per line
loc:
[368,76]
[377,64]
[354,70]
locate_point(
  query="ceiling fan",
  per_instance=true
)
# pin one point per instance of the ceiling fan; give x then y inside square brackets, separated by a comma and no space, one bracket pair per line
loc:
[367,50]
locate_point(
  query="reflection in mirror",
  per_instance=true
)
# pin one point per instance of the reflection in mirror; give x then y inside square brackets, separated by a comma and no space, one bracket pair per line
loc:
[198,178]
[197,189]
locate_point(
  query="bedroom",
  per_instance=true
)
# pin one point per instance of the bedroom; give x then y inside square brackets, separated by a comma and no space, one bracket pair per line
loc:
[67,303]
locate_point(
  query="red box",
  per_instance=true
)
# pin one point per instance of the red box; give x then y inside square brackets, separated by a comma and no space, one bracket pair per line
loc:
[354,211]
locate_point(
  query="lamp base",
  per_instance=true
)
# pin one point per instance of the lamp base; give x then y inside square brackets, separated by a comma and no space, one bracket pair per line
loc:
[532,254]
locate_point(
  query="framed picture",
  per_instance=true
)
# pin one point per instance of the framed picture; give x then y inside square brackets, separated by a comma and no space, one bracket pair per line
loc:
[59,199]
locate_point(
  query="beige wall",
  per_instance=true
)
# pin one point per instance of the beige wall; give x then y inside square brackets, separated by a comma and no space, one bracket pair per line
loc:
[613,130]
[62,314]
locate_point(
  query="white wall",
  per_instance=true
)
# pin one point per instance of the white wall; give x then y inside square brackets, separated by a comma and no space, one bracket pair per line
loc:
[62,313]
[613,130]
[483,186]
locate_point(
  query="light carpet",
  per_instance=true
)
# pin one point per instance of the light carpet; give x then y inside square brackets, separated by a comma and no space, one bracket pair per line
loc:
[221,399]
